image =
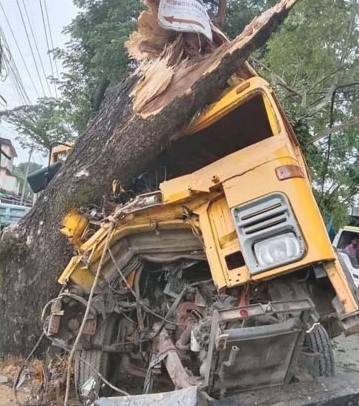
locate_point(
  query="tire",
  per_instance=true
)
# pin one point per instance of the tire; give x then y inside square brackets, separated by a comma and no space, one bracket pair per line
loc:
[318,341]
[89,361]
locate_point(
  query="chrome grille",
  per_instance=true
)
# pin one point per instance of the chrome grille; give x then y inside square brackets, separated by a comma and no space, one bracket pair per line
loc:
[261,219]
[273,214]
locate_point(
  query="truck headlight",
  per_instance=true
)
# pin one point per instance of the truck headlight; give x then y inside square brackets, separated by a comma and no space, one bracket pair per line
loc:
[278,250]
[268,232]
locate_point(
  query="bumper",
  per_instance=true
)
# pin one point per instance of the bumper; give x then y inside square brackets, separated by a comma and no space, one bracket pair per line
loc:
[339,391]
[188,396]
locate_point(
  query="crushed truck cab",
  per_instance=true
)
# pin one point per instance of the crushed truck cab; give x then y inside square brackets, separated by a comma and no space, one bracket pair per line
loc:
[221,277]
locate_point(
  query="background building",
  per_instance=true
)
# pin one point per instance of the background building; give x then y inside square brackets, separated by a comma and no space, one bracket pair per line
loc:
[11,207]
[8,181]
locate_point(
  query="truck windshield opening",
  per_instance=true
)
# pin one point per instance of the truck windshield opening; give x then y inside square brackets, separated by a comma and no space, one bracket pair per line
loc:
[248,124]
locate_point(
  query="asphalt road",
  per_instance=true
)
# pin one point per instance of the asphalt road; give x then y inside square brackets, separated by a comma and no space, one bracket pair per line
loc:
[346,351]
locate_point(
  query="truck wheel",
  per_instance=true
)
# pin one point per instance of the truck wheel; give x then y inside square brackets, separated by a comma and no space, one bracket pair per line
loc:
[89,361]
[318,341]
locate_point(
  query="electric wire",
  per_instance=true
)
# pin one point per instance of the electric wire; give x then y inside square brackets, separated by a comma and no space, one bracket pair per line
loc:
[31,49]
[7,61]
[36,46]
[16,80]
[14,72]
[19,49]
[4,72]
[47,43]
[51,40]
[9,73]
[33,34]
[18,93]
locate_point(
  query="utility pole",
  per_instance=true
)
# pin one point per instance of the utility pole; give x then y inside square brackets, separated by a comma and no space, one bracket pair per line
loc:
[26,175]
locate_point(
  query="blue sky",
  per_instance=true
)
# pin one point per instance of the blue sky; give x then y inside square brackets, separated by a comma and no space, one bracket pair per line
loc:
[60,13]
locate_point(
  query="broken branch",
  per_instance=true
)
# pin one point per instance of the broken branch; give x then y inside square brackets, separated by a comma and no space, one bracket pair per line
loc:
[280,81]
[335,129]
[220,18]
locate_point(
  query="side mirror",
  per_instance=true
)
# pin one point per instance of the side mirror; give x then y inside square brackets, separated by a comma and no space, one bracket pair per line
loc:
[40,179]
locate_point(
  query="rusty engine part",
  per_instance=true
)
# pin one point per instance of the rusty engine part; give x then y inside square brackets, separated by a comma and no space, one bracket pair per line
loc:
[173,321]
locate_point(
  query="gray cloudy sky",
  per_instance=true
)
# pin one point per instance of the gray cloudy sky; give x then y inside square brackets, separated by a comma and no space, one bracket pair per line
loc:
[60,13]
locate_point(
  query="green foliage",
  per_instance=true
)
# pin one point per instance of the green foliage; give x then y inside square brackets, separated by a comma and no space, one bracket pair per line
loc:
[40,124]
[316,50]
[305,138]
[240,13]
[22,167]
[95,54]
[20,172]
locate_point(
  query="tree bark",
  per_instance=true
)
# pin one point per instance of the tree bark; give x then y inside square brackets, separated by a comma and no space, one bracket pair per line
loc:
[118,144]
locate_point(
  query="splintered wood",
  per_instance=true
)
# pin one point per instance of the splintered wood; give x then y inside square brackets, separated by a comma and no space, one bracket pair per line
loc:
[171,63]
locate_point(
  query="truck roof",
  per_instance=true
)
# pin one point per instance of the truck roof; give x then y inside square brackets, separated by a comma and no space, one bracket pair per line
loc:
[225,103]
[351,229]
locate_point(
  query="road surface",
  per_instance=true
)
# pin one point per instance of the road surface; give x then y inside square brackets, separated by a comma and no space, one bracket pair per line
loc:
[346,351]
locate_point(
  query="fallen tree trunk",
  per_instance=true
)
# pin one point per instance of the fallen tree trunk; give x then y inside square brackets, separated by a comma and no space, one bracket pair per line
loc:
[136,122]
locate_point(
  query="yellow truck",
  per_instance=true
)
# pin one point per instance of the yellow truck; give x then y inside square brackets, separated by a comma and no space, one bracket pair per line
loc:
[220,276]
[39,180]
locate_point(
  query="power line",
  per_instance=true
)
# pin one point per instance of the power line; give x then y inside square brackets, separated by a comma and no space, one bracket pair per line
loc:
[47,43]
[46,36]
[31,49]
[18,48]
[20,96]
[37,48]
[1,58]
[15,82]
[52,42]
[4,72]
[14,72]
[15,75]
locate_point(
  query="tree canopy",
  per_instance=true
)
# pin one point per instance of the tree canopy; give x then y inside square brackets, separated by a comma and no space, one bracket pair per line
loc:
[41,124]
[307,61]
[21,170]
[95,57]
